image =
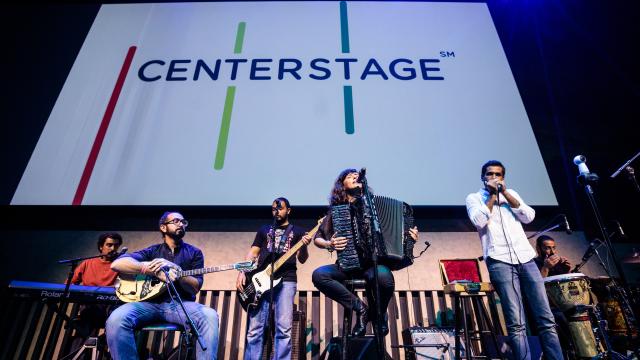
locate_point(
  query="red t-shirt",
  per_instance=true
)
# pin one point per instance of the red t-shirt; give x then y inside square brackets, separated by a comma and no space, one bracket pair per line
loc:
[94,272]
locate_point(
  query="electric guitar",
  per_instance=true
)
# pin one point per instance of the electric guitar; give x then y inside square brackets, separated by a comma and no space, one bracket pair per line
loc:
[138,287]
[258,280]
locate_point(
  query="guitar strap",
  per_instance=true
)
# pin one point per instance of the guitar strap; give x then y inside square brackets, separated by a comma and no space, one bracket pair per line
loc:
[283,239]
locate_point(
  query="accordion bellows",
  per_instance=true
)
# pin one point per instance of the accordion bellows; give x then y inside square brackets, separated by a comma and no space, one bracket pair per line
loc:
[395,247]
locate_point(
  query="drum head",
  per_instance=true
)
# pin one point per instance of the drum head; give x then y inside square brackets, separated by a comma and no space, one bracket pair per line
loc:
[565,277]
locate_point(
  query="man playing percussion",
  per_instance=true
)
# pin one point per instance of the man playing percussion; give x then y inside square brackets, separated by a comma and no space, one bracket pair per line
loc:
[548,260]
[498,214]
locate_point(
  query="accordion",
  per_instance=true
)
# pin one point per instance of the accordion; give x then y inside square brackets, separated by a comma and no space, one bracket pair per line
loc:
[395,245]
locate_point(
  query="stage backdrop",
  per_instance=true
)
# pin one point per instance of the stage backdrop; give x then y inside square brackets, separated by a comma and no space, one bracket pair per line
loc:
[44,248]
[235,103]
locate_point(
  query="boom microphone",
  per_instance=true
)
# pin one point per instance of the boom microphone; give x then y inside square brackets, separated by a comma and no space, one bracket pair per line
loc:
[580,160]
[591,249]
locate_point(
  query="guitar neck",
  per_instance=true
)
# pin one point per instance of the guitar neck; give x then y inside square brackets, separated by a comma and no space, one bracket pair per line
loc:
[294,249]
[206,270]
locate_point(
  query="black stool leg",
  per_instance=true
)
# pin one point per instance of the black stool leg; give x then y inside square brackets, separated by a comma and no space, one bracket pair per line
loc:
[458,314]
[483,313]
[467,333]
[346,329]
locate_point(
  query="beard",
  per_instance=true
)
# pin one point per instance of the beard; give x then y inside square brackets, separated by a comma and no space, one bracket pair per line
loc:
[178,234]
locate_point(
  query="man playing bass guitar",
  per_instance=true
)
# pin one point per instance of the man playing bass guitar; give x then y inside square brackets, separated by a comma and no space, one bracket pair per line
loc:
[271,243]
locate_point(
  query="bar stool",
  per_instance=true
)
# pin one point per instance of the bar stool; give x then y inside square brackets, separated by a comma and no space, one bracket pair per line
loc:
[167,352]
[473,299]
[353,285]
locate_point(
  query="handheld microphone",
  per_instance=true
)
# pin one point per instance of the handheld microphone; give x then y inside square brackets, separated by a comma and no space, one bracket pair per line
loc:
[566,225]
[499,188]
[591,249]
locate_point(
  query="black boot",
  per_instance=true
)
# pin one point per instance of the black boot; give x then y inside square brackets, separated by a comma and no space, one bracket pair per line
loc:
[362,318]
[385,324]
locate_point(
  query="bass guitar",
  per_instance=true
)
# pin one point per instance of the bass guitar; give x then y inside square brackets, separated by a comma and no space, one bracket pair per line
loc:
[138,287]
[258,280]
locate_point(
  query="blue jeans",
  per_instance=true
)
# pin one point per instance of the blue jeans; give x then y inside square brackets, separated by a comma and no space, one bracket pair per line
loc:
[512,282]
[283,296]
[132,316]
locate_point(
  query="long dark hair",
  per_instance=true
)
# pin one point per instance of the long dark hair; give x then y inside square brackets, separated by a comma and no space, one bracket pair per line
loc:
[338,193]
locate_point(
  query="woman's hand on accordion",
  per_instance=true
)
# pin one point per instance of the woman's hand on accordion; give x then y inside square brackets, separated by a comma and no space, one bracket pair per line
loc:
[338,242]
[413,232]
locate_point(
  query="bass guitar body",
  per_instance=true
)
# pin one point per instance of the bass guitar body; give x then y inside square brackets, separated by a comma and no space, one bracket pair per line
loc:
[258,285]
[258,282]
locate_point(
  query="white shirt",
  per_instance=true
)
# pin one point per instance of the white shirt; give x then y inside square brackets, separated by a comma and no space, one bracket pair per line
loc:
[513,249]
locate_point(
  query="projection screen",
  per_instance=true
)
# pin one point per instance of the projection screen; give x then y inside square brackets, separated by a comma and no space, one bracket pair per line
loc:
[236,103]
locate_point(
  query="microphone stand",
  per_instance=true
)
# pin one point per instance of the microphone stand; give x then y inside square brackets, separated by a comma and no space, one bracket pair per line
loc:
[587,179]
[583,262]
[626,167]
[618,294]
[64,299]
[65,294]
[270,317]
[189,326]
[544,231]
[370,211]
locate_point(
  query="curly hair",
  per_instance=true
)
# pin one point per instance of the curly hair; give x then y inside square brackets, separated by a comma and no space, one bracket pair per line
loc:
[338,193]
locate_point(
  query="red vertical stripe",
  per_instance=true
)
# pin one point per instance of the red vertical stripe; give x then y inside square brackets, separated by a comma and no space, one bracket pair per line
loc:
[102,131]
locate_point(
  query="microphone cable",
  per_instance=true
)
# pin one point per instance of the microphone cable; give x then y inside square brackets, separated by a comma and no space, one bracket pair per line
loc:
[512,252]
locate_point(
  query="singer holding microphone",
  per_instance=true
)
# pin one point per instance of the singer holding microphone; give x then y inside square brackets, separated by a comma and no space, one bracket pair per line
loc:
[173,254]
[498,214]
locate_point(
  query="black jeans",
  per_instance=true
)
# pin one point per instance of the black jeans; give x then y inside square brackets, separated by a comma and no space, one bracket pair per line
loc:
[329,279]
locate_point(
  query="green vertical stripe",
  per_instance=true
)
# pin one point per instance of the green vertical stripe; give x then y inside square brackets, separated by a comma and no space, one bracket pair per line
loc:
[349,123]
[239,37]
[224,128]
[344,27]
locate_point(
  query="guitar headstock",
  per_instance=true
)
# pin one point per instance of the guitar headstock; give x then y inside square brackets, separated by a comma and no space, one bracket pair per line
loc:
[245,266]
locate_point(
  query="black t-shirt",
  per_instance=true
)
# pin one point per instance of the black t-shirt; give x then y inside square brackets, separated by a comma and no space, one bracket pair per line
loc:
[265,241]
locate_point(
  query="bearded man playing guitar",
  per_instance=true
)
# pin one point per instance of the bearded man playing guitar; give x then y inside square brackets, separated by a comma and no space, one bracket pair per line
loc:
[270,244]
[173,254]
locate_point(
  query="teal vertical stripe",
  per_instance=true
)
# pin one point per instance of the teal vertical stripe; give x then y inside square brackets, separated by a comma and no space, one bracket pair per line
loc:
[224,128]
[239,37]
[344,27]
[349,123]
